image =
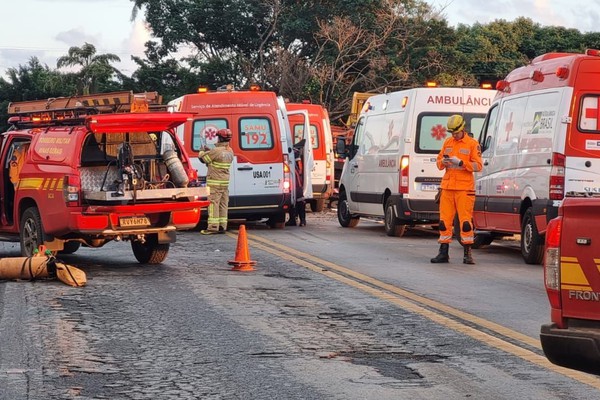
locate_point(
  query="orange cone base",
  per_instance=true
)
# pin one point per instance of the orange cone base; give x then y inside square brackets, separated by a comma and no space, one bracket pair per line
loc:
[242,265]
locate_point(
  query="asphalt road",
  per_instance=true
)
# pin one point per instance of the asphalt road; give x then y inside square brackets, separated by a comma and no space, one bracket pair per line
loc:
[328,313]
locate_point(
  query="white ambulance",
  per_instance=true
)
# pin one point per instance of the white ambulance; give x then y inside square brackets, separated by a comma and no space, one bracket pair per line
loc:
[390,168]
[541,140]
[261,184]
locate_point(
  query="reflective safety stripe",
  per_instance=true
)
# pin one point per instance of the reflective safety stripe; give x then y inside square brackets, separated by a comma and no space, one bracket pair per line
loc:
[214,182]
[445,238]
[475,167]
[221,165]
[467,239]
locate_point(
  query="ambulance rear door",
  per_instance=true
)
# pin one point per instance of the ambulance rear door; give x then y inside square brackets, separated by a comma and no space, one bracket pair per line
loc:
[259,162]
[431,110]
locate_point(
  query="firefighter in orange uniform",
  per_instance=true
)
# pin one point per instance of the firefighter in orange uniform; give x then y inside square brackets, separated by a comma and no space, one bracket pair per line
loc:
[218,161]
[460,156]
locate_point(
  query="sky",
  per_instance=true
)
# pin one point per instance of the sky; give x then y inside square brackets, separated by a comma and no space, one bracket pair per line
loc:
[47,28]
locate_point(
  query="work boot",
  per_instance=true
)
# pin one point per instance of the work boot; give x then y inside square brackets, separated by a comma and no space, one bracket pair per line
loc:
[442,256]
[468,258]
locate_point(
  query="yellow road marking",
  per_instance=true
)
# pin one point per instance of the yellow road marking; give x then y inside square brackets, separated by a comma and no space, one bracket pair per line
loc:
[416,304]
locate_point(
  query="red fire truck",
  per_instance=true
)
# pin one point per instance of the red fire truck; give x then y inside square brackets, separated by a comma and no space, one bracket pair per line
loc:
[572,279]
[93,169]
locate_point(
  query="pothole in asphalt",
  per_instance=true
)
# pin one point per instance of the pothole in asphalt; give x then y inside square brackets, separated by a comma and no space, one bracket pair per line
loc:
[392,365]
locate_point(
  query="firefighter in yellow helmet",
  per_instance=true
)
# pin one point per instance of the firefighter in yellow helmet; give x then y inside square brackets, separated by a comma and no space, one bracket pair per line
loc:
[460,156]
[218,160]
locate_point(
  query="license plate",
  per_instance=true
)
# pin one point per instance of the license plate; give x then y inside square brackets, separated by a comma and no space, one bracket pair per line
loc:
[429,187]
[134,222]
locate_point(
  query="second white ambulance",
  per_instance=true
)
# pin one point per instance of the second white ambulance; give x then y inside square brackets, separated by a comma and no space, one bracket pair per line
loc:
[390,169]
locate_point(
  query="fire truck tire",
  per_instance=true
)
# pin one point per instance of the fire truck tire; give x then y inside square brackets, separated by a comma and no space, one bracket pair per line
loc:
[532,243]
[345,219]
[70,247]
[391,223]
[31,231]
[150,252]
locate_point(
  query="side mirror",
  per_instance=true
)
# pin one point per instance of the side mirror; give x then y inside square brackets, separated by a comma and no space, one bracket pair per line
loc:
[340,147]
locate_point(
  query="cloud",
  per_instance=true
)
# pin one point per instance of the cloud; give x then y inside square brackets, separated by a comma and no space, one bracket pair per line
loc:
[76,37]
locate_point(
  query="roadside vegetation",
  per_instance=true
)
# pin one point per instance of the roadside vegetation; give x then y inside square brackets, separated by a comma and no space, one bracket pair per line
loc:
[321,51]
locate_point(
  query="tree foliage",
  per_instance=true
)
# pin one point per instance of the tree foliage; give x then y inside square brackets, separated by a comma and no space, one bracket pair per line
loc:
[95,69]
[322,50]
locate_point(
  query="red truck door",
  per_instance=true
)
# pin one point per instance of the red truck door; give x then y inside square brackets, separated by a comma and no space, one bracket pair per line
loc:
[580,260]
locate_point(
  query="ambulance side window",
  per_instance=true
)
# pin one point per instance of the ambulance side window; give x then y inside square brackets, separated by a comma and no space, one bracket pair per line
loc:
[255,133]
[487,131]
[588,114]
[359,132]
[204,132]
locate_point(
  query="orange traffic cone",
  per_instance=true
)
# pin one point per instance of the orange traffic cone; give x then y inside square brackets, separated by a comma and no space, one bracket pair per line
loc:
[242,260]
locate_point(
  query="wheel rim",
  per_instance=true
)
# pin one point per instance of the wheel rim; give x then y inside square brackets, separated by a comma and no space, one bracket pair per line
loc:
[527,237]
[388,219]
[343,206]
[30,236]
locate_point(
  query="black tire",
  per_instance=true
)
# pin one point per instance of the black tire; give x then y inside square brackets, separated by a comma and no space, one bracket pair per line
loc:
[277,221]
[70,247]
[482,240]
[344,217]
[31,231]
[317,205]
[391,223]
[532,243]
[150,252]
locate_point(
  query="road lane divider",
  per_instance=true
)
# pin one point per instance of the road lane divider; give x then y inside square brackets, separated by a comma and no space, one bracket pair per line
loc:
[517,344]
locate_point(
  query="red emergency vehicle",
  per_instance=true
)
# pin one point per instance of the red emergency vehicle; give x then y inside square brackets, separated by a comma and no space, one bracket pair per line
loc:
[540,142]
[261,182]
[322,146]
[572,279]
[83,171]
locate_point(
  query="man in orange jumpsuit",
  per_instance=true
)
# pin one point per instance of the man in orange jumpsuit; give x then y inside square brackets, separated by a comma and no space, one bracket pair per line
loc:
[460,156]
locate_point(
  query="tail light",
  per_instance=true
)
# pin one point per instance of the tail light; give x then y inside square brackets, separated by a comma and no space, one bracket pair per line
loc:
[328,169]
[552,263]
[72,190]
[403,184]
[287,184]
[557,177]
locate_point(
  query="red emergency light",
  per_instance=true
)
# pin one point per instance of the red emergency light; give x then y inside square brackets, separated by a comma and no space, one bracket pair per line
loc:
[592,52]
[503,86]
[562,72]
[537,76]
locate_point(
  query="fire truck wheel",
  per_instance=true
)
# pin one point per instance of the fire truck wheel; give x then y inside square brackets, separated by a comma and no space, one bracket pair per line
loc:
[31,231]
[343,213]
[150,252]
[532,243]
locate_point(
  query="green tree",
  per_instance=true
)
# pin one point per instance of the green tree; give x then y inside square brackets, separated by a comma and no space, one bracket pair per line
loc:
[32,81]
[96,69]
[164,75]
